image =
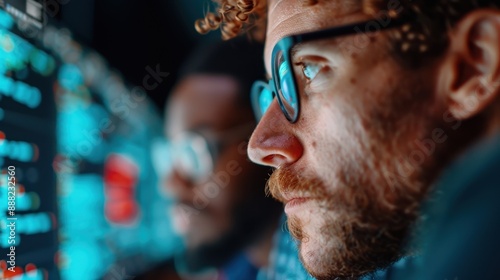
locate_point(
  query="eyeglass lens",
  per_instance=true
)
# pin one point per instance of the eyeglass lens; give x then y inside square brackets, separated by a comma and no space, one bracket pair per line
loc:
[192,156]
[285,86]
[265,99]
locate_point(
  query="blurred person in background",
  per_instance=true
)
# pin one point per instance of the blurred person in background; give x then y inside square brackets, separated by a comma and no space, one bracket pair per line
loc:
[384,130]
[221,210]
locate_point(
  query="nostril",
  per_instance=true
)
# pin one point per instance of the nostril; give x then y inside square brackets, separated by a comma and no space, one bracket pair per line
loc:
[275,160]
[268,158]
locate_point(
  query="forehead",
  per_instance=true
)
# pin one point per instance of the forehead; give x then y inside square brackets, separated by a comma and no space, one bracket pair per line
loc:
[201,101]
[287,17]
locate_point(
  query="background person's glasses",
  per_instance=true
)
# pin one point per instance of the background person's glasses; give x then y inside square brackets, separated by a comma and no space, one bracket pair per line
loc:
[283,84]
[194,154]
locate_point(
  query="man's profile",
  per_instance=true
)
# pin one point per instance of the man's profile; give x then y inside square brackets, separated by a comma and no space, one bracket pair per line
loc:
[373,101]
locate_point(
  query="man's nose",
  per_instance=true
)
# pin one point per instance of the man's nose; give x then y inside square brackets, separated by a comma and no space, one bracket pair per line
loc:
[273,141]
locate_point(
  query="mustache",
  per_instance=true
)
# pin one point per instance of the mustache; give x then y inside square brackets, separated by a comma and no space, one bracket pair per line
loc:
[285,182]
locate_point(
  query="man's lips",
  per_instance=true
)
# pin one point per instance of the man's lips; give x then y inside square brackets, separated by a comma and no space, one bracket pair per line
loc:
[294,202]
[288,197]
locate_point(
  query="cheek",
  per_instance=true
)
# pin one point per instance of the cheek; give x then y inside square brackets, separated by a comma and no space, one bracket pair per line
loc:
[339,135]
[334,113]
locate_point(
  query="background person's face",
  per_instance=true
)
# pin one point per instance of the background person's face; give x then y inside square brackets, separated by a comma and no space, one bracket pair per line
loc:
[215,227]
[345,169]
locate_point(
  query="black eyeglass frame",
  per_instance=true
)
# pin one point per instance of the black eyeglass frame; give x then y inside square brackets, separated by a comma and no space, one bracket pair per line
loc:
[285,46]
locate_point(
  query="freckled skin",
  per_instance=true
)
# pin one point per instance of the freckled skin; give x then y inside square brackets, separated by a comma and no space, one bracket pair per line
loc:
[354,157]
[358,116]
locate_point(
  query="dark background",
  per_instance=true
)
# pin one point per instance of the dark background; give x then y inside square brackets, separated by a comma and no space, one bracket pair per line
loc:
[134,34]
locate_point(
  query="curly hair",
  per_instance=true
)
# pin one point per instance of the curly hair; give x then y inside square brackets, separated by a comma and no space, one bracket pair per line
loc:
[234,17]
[434,18]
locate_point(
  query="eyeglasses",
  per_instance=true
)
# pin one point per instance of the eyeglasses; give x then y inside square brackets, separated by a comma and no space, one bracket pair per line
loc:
[194,154]
[283,84]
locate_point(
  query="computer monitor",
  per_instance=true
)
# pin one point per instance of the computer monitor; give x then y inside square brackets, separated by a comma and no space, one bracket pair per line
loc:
[78,190]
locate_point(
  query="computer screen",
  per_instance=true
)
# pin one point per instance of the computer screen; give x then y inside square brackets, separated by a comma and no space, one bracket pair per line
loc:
[79,193]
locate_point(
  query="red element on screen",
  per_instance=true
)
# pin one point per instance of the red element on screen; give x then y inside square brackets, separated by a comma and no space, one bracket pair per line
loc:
[30,267]
[120,180]
[20,189]
[9,274]
[122,211]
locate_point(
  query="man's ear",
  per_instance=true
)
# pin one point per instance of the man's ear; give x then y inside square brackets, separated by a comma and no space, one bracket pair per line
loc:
[470,75]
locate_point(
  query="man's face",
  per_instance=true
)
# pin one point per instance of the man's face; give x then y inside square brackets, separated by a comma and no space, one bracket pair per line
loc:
[347,170]
[216,214]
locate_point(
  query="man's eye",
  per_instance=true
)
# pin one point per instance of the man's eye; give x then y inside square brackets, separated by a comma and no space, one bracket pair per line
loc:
[310,70]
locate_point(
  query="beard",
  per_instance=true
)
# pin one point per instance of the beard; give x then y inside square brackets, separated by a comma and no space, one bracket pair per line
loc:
[361,229]
[363,220]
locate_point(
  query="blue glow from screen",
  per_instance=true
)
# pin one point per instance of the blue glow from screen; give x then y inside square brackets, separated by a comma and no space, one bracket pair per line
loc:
[92,123]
